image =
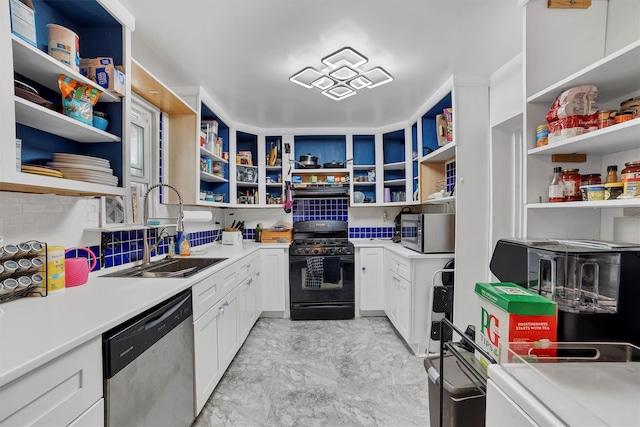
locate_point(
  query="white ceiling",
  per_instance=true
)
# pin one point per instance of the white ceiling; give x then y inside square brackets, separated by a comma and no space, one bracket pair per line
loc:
[242,52]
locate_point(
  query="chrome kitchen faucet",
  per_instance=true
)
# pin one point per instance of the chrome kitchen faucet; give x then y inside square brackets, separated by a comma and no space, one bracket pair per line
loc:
[146,252]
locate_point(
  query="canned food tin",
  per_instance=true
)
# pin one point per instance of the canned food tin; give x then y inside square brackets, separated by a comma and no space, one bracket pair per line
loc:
[623,118]
[606,118]
[542,135]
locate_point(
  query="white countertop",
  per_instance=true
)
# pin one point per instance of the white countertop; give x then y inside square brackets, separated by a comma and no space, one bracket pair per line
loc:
[397,248]
[578,393]
[35,330]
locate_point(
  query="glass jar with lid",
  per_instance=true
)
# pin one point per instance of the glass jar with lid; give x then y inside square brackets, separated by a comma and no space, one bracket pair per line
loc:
[572,181]
[630,177]
[591,179]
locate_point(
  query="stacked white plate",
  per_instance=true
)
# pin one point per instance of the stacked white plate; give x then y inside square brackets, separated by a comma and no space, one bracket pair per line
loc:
[84,168]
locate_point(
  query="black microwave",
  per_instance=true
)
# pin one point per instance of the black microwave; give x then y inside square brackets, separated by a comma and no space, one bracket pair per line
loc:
[428,233]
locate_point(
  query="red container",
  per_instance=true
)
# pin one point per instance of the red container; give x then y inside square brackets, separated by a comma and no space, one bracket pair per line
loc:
[572,182]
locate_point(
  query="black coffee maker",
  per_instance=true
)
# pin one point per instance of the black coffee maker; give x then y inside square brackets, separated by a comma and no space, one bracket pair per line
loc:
[596,284]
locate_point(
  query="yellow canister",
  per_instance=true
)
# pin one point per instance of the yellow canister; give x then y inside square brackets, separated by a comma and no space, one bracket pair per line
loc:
[55,270]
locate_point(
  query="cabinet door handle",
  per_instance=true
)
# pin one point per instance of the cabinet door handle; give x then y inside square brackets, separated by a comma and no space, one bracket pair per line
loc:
[364,268]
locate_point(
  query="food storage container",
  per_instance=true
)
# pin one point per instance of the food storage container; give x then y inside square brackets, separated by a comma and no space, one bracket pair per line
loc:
[592,193]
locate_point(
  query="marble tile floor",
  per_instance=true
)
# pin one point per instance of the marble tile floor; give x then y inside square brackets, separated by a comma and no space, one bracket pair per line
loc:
[334,373]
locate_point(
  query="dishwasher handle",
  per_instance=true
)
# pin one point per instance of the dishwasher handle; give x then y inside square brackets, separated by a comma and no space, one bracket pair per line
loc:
[124,343]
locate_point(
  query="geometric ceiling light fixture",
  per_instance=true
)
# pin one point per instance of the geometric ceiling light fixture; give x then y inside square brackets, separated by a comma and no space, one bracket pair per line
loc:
[378,76]
[306,77]
[339,92]
[342,77]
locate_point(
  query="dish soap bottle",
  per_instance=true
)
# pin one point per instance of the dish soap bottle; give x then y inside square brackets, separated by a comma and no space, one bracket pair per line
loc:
[172,247]
[183,246]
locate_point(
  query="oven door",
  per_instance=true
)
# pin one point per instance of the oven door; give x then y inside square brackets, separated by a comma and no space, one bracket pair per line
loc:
[321,279]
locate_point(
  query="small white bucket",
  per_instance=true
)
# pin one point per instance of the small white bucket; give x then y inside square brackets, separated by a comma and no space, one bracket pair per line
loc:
[64,46]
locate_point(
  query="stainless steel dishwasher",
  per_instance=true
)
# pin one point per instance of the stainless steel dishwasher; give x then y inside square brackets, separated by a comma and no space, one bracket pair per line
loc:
[148,367]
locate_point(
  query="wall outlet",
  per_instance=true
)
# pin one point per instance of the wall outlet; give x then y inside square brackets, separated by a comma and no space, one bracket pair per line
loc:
[384,216]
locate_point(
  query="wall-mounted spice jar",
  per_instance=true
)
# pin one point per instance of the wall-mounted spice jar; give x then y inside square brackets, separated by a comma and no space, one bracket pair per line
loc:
[572,182]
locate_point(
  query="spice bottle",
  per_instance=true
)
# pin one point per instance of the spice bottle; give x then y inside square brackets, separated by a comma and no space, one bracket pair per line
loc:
[556,188]
[571,179]
[612,173]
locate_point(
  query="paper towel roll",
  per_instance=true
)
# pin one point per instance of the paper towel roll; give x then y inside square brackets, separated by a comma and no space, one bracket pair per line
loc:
[197,216]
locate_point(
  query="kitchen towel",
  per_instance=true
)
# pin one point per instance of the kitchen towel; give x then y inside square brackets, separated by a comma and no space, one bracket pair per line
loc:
[331,269]
[314,272]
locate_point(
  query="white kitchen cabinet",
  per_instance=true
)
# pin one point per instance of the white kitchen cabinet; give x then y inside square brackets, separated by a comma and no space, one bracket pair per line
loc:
[43,131]
[408,296]
[57,393]
[228,335]
[94,416]
[207,363]
[370,278]
[274,279]
[248,303]
[398,294]
[225,308]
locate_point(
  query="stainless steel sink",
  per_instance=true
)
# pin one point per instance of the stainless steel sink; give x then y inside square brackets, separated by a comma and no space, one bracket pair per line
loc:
[168,267]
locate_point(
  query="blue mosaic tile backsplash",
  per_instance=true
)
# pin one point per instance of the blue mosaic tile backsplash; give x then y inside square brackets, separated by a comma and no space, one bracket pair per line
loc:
[122,247]
[320,209]
[371,232]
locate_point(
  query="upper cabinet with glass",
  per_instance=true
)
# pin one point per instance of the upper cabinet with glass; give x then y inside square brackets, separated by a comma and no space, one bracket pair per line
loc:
[56,152]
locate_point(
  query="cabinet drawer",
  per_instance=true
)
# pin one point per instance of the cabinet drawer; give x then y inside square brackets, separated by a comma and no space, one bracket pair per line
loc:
[247,266]
[229,278]
[56,393]
[399,265]
[206,294]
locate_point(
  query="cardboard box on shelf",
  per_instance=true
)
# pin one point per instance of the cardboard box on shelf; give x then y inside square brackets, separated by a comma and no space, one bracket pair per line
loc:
[23,20]
[103,71]
[508,313]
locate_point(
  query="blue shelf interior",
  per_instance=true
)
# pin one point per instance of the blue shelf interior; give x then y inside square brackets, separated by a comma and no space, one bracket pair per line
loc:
[393,147]
[327,148]
[248,142]
[429,131]
[368,190]
[223,133]
[364,150]
[100,35]
[275,175]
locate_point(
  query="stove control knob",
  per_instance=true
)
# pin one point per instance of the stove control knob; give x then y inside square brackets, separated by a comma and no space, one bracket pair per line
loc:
[316,251]
[306,250]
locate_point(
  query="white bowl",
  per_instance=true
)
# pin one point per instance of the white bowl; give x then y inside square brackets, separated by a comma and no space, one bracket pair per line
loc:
[358,197]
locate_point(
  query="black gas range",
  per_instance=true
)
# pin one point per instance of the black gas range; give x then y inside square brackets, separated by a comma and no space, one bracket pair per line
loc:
[321,271]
